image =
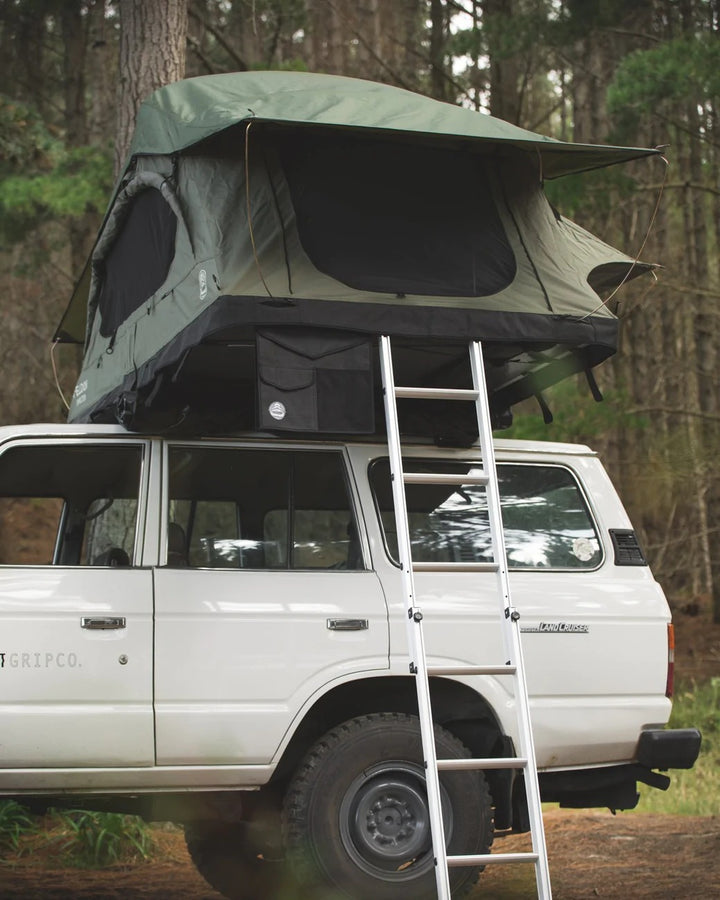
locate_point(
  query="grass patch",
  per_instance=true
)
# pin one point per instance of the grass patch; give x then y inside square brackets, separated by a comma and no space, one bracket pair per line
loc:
[15,823]
[75,838]
[97,839]
[696,791]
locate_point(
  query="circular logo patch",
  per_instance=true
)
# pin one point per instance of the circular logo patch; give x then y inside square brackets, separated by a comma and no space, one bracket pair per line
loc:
[583,549]
[277,410]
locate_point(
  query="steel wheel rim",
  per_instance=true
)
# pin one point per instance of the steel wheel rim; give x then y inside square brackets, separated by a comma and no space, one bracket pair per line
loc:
[385,821]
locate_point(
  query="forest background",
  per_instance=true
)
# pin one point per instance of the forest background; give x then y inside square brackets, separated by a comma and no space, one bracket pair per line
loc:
[628,72]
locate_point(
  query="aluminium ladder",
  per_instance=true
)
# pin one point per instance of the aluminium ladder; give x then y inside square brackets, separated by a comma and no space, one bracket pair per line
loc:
[509,617]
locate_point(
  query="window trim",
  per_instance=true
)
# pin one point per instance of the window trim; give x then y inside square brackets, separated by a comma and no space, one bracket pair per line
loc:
[355,506]
[500,464]
[143,479]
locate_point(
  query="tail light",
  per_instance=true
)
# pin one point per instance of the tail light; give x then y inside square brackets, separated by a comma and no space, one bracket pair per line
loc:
[669,684]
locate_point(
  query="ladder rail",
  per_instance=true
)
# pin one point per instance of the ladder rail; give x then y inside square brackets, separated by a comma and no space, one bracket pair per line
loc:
[514,665]
[415,639]
[511,636]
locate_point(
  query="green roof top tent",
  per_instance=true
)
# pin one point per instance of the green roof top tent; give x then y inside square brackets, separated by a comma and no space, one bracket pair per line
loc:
[269,225]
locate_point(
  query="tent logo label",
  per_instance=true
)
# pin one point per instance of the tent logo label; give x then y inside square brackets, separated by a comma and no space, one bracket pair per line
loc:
[202,283]
[277,410]
[80,392]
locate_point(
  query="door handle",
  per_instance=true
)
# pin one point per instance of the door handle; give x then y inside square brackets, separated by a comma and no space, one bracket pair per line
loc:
[100,623]
[347,624]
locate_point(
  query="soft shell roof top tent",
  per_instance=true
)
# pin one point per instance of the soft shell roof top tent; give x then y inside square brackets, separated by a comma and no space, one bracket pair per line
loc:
[268,225]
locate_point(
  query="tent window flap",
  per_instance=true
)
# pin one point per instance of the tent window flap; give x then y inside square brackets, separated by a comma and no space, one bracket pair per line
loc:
[392,221]
[138,261]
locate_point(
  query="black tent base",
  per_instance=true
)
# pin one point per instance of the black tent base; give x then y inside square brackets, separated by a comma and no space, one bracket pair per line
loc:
[224,385]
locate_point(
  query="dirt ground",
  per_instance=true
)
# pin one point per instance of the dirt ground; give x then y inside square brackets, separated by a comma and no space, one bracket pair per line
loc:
[625,857]
[631,856]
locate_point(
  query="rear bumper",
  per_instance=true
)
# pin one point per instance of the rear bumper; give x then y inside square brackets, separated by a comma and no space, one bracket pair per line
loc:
[616,786]
[674,748]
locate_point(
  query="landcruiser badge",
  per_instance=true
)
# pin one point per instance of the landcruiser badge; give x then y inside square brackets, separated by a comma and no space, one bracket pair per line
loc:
[277,410]
[556,628]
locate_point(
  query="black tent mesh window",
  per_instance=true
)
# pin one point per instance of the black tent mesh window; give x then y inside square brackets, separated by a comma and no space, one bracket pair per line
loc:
[139,259]
[396,218]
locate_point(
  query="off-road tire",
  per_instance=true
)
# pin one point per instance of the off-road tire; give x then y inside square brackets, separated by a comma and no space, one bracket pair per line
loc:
[228,860]
[355,814]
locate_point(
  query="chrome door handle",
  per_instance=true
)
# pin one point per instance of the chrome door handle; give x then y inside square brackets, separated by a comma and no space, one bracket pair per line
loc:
[98,623]
[347,624]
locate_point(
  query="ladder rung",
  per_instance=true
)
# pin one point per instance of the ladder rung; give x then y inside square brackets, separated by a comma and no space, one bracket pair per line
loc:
[444,478]
[472,765]
[471,670]
[423,393]
[482,859]
[454,567]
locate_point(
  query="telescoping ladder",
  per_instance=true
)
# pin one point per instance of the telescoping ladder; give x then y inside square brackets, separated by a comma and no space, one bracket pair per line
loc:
[509,617]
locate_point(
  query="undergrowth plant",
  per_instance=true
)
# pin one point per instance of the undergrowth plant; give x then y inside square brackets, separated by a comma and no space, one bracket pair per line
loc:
[78,837]
[15,821]
[101,838]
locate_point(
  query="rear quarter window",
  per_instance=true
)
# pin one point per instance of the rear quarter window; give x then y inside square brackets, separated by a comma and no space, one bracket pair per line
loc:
[546,520]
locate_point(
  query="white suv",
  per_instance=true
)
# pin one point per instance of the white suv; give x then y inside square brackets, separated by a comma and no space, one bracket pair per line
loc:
[212,631]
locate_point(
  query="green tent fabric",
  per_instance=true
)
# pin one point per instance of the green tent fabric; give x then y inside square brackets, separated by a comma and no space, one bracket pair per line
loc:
[319,206]
[182,114]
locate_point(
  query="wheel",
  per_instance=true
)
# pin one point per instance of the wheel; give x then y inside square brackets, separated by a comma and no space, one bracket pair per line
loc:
[228,858]
[356,817]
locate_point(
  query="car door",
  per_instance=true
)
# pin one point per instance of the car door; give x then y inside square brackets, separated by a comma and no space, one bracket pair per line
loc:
[75,612]
[266,599]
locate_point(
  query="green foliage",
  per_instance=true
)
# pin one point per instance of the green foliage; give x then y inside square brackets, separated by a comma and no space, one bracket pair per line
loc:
[80,838]
[576,19]
[683,70]
[99,839]
[289,65]
[516,33]
[694,792]
[577,417]
[80,179]
[15,821]
[593,194]
[40,178]
[25,140]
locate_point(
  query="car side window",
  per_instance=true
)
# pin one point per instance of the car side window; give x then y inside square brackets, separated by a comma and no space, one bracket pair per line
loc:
[69,504]
[546,521]
[242,508]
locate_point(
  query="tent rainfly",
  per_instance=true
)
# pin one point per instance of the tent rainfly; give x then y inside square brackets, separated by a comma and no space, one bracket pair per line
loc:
[269,225]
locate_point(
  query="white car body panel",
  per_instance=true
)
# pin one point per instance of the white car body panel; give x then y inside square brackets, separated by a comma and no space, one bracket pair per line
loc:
[67,699]
[222,666]
[255,645]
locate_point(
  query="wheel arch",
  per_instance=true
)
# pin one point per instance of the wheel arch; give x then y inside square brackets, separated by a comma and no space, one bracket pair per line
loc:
[457,707]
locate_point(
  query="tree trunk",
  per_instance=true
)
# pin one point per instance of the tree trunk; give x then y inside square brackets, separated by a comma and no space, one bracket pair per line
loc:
[438,38]
[76,126]
[505,76]
[152,54]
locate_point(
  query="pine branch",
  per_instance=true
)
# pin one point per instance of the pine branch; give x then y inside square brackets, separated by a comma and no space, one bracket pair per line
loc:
[691,289]
[194,45]
[644,36]
[675,411]
[397,79]
[208,26]
[680,185]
